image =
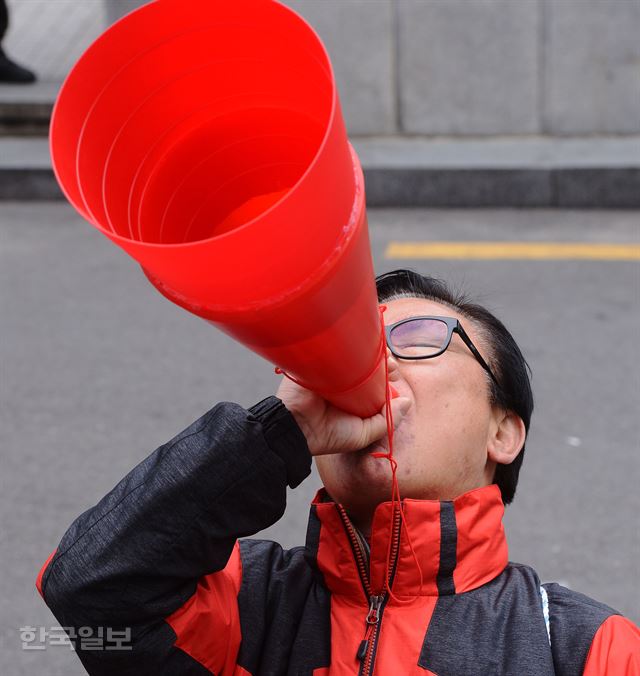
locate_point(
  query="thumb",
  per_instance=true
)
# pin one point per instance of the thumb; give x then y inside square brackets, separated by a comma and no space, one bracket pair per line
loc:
[376,426]
[399,407]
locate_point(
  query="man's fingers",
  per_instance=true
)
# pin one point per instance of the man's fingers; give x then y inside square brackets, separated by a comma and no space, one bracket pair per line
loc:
[376,426]
[353,434]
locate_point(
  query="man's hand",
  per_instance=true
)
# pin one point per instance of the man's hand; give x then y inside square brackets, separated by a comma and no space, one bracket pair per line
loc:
[329,429]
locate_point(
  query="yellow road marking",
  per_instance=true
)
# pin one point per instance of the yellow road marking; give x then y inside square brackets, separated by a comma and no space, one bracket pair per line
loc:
[515,251]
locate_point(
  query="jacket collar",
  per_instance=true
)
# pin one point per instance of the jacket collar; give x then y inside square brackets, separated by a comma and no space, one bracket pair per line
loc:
[460,545]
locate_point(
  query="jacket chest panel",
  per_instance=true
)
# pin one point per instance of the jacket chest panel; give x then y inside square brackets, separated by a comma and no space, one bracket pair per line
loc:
[495,630]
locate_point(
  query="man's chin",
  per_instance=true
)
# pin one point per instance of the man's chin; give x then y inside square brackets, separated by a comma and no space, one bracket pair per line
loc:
[371,448]
[380,446]
[366,471]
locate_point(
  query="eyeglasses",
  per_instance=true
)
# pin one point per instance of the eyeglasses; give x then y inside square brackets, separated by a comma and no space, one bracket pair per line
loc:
[427,337]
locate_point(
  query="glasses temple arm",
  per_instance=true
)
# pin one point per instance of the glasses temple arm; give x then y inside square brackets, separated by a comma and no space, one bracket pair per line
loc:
[476,354]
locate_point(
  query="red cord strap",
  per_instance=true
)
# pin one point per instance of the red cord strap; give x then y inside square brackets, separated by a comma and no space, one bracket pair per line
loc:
[395,490]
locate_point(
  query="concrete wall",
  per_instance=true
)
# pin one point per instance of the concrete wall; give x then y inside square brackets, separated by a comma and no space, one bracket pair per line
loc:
[49,36]
[483,67]
[429,67]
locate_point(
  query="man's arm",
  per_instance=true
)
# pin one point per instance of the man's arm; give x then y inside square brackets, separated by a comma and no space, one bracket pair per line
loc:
[158,555]
[615,649]
[590,638]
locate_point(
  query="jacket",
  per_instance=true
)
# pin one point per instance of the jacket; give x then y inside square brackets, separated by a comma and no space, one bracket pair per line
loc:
[164,559]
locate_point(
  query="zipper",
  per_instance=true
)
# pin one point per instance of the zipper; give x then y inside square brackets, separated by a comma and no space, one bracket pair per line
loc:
[377,602]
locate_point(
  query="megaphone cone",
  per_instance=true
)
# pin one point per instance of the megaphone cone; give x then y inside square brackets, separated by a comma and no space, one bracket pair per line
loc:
[206,139]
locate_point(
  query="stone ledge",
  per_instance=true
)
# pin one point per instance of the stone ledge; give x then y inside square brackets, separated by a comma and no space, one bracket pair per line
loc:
[603,188]
[25,110]
[498,152]
[504,172]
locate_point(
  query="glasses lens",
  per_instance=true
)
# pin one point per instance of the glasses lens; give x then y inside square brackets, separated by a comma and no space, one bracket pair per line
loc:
[419,337]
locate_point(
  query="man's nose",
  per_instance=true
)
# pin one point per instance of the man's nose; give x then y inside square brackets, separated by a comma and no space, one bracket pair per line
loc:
[392,363]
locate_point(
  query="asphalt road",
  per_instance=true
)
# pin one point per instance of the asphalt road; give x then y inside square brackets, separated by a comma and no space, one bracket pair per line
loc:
[98,370]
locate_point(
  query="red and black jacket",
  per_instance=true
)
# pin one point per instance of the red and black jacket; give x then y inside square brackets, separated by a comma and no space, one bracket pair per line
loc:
[162,555]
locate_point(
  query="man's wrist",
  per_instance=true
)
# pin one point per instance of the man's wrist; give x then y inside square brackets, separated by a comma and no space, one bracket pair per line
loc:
[304,427]
[284,437]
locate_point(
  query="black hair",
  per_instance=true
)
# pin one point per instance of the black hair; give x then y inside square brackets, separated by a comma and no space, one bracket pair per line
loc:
[505,358]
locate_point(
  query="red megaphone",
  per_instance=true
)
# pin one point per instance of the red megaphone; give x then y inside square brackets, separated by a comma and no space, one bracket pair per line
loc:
[206,139]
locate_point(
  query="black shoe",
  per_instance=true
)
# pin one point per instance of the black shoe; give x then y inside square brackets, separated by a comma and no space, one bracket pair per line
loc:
[11,72]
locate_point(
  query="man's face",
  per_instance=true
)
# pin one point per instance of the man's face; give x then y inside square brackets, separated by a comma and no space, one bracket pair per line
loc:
[441,443]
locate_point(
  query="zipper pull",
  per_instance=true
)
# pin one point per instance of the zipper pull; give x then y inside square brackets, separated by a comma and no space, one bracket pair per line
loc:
[374,605]
[372,619]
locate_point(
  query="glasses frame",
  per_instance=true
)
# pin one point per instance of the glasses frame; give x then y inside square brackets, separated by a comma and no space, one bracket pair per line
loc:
[453,326]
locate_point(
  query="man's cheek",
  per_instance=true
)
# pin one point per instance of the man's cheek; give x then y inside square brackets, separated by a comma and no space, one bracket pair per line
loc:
[436,404]
[406,436]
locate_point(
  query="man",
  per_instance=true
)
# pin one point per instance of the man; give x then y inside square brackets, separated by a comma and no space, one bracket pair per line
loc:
[158,559]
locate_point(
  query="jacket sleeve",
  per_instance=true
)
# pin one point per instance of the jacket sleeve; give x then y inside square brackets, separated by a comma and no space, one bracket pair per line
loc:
[615,649]
[157,559]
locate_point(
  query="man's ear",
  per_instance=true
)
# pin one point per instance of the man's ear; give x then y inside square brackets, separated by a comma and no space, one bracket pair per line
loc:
[507,437]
